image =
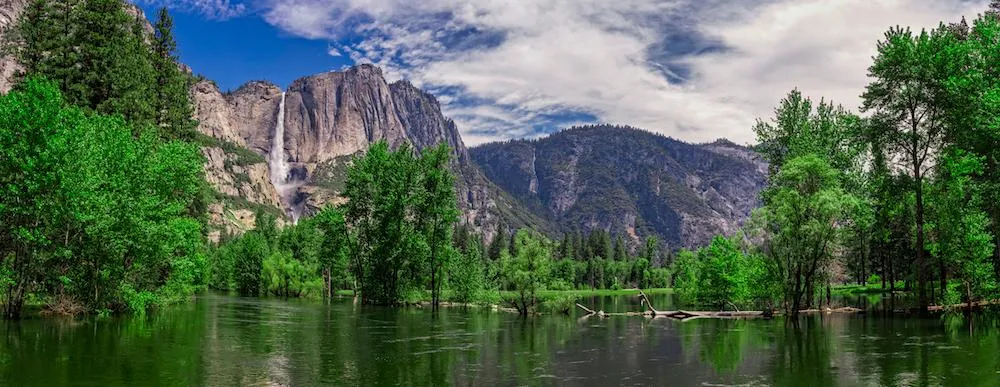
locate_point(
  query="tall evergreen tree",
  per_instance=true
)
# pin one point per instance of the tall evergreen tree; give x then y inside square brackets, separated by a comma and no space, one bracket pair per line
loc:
[621,254]
[172,105]
[498,245]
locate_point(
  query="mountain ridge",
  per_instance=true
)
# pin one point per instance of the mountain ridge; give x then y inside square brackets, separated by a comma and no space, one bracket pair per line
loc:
[630,181]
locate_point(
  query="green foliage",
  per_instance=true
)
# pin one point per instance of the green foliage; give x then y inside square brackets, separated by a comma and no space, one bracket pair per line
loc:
[562,303]
[527,272]
[103,59]
[801,224]
[286,276]
[904,96]
[961,238]
[172,106]
[334,248]
[85,198]
[402,208]
[721,274]
[243,155]
[248,256]
[799,130]
[467,276]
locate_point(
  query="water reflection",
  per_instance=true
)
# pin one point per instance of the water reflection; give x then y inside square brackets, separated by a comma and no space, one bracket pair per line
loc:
[227,341]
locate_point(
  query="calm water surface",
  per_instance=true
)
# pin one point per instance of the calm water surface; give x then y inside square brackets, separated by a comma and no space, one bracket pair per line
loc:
[230,341]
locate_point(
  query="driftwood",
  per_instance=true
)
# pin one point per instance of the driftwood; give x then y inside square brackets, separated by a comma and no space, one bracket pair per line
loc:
[684,315]
[964,305]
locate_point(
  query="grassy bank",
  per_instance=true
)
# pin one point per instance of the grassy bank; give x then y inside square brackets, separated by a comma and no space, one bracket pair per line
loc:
[864,289]
[596,292]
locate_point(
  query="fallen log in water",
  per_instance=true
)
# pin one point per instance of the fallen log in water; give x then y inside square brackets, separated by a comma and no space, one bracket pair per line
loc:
[684,315]
[964,305]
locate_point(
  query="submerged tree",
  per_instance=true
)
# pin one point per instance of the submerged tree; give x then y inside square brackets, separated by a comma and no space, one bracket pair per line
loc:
[802,223]
[437,213]
[527,272]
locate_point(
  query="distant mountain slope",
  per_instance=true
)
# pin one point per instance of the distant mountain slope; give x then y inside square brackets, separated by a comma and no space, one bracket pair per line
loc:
[629,181]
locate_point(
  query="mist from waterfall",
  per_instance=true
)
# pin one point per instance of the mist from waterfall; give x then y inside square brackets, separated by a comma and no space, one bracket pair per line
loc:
[280,169]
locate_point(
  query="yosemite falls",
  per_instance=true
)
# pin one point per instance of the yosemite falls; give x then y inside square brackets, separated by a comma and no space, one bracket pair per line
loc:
[280,170]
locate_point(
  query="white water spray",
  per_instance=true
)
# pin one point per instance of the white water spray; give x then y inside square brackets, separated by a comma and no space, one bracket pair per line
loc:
[278,164]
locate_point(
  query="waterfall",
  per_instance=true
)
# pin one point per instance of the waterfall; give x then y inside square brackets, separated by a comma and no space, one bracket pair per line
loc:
[277,162]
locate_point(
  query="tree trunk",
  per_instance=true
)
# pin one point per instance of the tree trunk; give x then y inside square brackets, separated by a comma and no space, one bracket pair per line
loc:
[922,301]
[996,240]
[968,294]
[943,281]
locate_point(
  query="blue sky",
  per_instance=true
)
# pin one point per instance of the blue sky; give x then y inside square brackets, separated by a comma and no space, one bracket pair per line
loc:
[239,49]
[696,70]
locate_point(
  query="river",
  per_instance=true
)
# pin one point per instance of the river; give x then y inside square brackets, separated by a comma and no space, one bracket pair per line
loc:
[229,341]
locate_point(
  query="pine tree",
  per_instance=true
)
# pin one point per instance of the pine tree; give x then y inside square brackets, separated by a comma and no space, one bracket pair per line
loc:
[33,37]
[620,253]
[498,244]
[172,105]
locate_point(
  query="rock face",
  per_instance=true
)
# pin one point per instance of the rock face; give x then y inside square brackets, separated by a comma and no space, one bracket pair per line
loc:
[249,181]
[10,11]
[339,113]
[629,181]
[330,117]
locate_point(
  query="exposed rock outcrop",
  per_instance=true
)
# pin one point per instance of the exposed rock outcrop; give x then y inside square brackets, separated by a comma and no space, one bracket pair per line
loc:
[10,11]
[249,181]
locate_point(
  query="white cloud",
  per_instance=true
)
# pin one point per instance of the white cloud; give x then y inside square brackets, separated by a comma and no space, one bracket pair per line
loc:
[822,47]
[534,59]
[212,9]
[333,51]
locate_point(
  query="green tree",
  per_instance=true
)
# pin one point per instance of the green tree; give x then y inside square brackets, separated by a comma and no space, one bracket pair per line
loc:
[621,254]
[802,223]
[248,263]
[334,248]
[498,244]
[527,272]
[798,129]
[961,240]
[904,96]
[466,274]
[284,275]
[34,131]
[116,73]
[972,106]
[172,105]
[108,226]
[437,213]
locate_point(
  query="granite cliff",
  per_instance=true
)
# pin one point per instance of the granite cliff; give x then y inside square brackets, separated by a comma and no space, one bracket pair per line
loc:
[328,118]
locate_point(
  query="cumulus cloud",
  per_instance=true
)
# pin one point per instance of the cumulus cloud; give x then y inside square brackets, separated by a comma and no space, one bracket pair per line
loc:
[692,69]
[212,9]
